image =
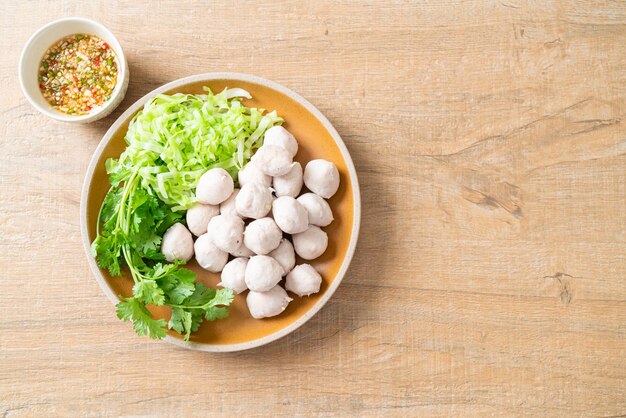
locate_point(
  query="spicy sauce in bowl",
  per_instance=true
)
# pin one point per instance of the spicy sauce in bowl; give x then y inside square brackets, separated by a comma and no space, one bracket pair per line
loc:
[74,70]
[78,73]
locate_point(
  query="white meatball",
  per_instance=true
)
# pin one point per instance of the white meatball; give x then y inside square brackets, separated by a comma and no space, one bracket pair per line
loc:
[290,216]
[272,160]
[254,201]
[311,243]
[208,256]
[251,174]
[177,243]
[226,232]
[285,255]
[266,304]
[289,184]
[214,186]
[262,236]
[321,177]
[227,207]
[262,273]
[198,217]
[318,209]
[303,280]
[242,251]
[279,136]
[233,275]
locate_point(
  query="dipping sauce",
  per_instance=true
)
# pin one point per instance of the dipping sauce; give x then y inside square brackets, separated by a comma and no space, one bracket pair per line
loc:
[78,73]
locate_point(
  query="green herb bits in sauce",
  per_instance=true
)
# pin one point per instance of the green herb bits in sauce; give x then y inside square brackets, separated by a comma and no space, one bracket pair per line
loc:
[78,73]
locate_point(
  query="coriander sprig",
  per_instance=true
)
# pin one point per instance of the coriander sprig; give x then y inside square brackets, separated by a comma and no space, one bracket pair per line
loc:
[130,225]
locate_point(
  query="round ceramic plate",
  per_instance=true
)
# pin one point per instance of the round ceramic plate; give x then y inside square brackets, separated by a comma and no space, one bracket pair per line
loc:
[317,139]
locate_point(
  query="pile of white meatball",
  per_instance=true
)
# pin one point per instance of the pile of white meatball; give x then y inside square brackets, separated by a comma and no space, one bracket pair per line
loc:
[269,198]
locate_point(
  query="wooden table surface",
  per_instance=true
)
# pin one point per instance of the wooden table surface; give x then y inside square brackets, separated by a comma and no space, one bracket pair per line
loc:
[490,275]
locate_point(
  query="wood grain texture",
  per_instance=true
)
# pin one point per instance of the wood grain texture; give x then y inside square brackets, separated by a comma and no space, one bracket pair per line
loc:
[490,277]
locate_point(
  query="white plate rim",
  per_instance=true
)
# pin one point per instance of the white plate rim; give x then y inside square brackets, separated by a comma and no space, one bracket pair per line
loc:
[308,106]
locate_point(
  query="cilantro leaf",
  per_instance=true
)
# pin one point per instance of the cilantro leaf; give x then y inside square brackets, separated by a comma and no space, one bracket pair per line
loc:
[177,320]
[148,216]
[203,303]
[196,320]
[201,296]
[147,243]
[154,255]
[177,283]
[149,292]
[106,250]
[212,314]
[167,220]
[110,205]
[180,291]
[131,309]
[117,172]
[222,297]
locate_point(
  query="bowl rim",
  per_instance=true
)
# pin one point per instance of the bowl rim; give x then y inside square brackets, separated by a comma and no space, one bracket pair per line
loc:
[119,87]
[356,223]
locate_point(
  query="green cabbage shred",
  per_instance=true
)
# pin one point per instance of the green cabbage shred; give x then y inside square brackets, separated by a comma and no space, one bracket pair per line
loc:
[176,138]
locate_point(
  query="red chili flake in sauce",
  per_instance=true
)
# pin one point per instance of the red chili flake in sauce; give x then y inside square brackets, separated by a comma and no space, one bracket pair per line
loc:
[78,73]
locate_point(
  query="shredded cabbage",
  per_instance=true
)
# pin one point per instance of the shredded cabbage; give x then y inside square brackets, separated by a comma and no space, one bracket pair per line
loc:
[176,138]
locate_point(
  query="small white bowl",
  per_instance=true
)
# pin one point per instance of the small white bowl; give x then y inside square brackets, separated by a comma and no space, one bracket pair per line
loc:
[47,36]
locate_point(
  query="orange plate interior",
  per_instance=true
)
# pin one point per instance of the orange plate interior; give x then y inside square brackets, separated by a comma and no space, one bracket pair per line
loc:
[315,142]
